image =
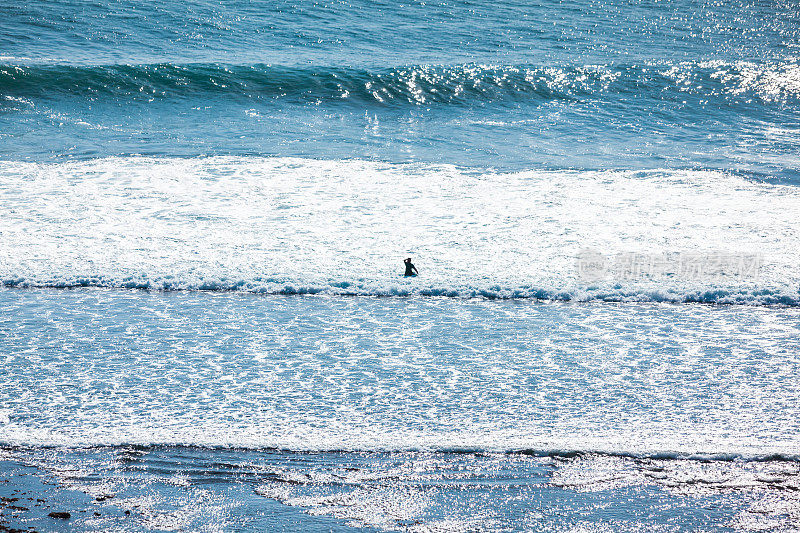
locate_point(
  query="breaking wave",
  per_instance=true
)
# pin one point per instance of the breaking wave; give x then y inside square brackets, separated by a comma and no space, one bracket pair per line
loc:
[343,227]
[755,296]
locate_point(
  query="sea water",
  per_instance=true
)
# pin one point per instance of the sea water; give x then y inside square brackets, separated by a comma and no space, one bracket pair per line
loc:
[205,208]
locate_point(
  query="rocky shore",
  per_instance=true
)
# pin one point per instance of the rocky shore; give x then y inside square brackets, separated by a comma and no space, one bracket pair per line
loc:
[32,501]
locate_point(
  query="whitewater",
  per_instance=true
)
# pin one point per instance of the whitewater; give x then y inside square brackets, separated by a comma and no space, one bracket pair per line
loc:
[300,226]
[204,212]
[226,342]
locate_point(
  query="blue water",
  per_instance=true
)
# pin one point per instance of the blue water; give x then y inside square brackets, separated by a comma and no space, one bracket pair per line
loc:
[205,208]
[513,86]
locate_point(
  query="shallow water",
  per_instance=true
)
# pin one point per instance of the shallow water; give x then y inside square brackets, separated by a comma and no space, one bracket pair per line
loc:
[406,413]
[91,367]
[186,488]
[204,212]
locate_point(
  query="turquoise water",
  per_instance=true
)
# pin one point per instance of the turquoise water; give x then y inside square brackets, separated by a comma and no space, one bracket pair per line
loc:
[205,211]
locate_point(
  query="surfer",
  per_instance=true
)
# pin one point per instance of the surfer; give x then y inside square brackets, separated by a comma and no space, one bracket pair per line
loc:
[411,270]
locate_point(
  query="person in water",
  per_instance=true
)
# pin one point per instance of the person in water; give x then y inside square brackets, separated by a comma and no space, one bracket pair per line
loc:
[411,270]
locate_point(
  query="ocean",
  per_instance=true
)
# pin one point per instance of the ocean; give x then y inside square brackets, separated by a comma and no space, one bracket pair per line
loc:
[206,206]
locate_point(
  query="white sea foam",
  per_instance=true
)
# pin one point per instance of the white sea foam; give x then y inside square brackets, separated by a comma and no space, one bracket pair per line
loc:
[283,225]
[109,367]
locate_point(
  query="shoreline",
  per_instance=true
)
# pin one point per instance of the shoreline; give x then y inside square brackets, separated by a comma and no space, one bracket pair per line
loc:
[33,501]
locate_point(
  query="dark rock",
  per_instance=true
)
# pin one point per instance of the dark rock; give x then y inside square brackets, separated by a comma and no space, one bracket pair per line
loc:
[96,513]
[18,508]
[127,513]
[104,497]
[59,514]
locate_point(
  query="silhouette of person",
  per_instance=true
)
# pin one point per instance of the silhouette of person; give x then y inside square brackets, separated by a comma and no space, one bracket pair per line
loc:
[411,270]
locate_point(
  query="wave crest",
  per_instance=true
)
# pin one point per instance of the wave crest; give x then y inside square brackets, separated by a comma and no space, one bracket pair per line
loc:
[719,296]
[469,84]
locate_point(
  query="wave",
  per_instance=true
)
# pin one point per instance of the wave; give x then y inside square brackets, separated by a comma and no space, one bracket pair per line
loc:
[304,440]
[778,297]
[16,439]
[342,227]
[9,449]
[465,85]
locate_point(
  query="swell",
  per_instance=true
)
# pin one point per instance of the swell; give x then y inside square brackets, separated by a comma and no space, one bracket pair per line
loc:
[415,85]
